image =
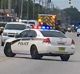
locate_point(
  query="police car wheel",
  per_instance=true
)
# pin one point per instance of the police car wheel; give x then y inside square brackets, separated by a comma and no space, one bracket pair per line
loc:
[34,53]
[7,50]
[65,57]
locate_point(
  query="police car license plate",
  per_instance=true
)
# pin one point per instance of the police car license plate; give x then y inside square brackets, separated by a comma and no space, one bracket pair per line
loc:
[61,49]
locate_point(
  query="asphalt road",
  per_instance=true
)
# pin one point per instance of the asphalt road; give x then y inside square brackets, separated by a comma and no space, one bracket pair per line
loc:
[21,64]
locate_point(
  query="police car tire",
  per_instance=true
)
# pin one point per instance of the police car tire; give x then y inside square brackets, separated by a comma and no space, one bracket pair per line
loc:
[34,53]
[65,57]
[7,50]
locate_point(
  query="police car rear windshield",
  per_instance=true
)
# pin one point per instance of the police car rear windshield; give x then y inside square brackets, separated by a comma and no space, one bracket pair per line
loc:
[15,26]
[53,34]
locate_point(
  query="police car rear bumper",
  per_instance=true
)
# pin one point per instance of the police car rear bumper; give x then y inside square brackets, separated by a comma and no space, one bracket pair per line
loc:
[58,50]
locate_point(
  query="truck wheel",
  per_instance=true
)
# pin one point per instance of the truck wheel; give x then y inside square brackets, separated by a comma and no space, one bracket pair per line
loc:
[65,57]
[34,53]
[7,50]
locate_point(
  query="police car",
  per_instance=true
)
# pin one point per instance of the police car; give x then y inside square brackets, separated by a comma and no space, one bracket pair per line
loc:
[39,43]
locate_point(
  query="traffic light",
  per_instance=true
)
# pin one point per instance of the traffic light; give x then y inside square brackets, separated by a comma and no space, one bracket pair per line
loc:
[69,1]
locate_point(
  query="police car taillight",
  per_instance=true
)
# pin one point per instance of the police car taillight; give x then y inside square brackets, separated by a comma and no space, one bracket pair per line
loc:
[47,40]
[72,42]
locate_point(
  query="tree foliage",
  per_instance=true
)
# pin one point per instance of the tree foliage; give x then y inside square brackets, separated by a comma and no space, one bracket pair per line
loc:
[31,10]
[73,13]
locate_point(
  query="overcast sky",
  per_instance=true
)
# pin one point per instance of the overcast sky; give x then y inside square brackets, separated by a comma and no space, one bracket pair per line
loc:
[65,3]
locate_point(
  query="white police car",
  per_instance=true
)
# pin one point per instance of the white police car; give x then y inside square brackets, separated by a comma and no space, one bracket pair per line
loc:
[39,43]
